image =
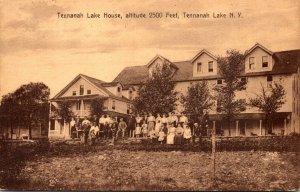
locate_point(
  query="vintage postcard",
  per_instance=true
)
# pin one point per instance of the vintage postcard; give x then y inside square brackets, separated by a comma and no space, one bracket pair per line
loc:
[149,95]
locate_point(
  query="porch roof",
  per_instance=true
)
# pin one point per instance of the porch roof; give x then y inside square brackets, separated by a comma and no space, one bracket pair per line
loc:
[79,97]
[258,116]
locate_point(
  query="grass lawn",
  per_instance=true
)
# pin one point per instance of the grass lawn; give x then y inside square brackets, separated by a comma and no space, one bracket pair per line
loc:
[111,168]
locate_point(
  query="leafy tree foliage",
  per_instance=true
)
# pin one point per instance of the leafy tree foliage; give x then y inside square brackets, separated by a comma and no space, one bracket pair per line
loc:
[27,106]
[269,101]
[97,105]
[197,99]
[64,111]
[230,68]
[157,95]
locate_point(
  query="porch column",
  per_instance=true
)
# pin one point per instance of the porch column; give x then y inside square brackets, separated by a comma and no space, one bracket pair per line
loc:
[236,128]
[284,126]
[49,118]
[245,127]
[260,129]
[81,108]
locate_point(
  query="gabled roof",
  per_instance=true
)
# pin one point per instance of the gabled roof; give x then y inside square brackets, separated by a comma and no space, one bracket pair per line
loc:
[78,97]
[285,62]
[133,75]
[111,84]
[96,82]
[260,46]
[162,58]
[201,52]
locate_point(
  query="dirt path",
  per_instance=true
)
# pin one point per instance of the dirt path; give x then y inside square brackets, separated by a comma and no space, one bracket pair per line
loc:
[141,170]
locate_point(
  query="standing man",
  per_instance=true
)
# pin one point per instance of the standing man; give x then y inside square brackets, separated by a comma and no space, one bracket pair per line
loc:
[121,128]
[86,124]
[204,123]
[131,125]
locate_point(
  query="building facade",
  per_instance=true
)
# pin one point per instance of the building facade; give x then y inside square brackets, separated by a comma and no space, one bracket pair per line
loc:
[262,68]
[79,93]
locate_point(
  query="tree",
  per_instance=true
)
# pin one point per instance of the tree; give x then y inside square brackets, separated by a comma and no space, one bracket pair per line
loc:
[197,99]
[269,101]
[97,105]
[26,106]
[8,111]
[230,68]
[64,111]
[157,95]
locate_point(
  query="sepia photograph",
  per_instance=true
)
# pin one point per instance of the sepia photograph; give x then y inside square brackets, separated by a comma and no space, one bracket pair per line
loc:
[131,95]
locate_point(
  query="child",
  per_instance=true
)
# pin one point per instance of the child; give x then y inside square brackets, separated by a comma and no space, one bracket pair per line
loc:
[145,129]
[152,135]
[161,135]
[138,130]
[187,134]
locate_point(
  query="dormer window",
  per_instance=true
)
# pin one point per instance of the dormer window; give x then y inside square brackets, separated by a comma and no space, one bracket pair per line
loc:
[210,66]
[264,61]
[199,67]
[113,106]
[251,62]
[81,90]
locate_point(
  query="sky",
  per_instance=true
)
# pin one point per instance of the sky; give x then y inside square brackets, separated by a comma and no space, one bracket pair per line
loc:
[37,46]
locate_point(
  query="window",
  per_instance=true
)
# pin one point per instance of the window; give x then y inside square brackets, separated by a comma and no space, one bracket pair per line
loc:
[81,90]
[219,81]
[218,106]
[269,80]
[119,89]
[210,66]
[199,67]
[88,92]
[113,106]
[264,61]
[52,124]
[130,94]
[251,63]
[78,105]
[128,108]
[74,93]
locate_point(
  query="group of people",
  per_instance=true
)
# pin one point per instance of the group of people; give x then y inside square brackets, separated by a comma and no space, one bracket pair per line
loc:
[169,129]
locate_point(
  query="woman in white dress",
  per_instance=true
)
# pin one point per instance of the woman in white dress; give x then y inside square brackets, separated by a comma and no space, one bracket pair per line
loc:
[171,135]
[157,124]
[151,123]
